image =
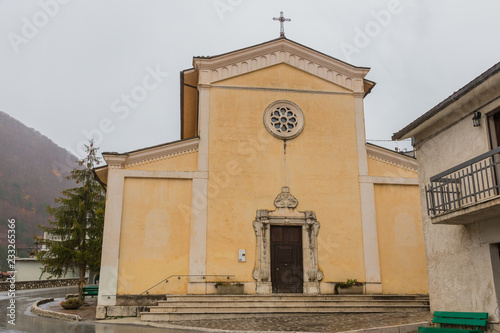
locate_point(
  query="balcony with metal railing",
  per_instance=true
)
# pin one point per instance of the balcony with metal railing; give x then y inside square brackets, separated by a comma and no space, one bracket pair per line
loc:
[466,193]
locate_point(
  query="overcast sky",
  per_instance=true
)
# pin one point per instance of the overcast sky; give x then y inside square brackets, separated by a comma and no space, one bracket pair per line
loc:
[65,66]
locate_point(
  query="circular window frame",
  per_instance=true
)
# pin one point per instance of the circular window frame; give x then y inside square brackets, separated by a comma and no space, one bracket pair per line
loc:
[298,115]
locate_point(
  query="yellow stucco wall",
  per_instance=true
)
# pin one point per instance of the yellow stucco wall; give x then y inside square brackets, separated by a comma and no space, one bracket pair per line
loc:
[401,240]
[154,241]
[384,169]
[186,162]
[248,167]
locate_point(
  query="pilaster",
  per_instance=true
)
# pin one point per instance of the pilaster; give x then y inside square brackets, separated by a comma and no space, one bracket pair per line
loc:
[112,229]
[368,213]
[199,211]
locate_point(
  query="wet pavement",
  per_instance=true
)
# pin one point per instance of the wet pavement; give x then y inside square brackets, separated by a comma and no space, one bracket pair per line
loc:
[25,321]
[339,322]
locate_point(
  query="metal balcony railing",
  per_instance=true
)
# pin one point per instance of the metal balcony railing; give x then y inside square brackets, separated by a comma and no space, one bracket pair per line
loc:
[465,184]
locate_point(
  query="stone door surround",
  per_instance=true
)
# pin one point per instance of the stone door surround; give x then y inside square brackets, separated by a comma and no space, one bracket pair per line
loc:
[286,214]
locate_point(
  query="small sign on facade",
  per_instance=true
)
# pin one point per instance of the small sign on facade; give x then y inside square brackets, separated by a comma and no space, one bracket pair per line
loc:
[242,256]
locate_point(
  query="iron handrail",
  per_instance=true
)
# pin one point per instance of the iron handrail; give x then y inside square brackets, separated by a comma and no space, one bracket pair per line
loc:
[182,275]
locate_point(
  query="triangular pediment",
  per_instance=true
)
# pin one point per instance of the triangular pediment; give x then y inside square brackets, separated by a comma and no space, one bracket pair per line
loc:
[282,76]
[229,65]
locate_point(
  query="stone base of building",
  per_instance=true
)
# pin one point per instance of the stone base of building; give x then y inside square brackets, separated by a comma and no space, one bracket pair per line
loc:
[264,288]
[128,306]
[113,311]
[133,305]
[373,288]
[493,328]
[311,288]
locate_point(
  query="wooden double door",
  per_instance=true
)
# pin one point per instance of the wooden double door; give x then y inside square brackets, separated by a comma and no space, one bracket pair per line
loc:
[286,259]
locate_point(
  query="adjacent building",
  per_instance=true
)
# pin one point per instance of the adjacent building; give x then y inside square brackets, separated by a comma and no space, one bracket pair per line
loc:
[458,152]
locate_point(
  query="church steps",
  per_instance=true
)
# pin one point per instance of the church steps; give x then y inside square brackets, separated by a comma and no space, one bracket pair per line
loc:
[289,308]
[291,303]
[201,315]
[199,307]
[289,297]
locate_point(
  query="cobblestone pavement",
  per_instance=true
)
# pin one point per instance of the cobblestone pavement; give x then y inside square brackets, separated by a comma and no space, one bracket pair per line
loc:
[339,322]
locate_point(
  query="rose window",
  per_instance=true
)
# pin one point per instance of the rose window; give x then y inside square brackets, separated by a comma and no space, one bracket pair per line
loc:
[284,119]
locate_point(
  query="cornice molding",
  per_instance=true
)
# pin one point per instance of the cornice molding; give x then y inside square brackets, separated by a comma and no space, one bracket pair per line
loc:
[150,155]
[281,51]
[161,153]
[386,156]
[114,161]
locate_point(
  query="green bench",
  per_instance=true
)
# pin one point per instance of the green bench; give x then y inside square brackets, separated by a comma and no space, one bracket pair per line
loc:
[90,291]
[475,321]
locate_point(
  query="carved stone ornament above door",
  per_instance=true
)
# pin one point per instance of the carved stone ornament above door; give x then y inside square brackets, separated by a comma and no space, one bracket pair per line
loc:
[286,214]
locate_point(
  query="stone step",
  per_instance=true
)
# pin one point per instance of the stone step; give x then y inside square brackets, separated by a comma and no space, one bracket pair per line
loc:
[292,303]
[239,313]
[278,308]
[188,298]
[194,307]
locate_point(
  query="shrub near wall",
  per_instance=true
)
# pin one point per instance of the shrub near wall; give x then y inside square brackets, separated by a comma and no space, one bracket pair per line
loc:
[23,285]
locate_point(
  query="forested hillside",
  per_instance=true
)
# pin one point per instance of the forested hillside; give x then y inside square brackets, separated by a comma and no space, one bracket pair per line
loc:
[32,174]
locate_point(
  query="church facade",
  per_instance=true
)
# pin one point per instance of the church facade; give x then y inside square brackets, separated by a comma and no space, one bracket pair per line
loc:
[272,187]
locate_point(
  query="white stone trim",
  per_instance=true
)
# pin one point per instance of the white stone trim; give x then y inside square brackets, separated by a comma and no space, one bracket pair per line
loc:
[150,155]
[108,283]
[165,174]
[360,135]
[280,51]
[368,213]
[297,91]
[161,153]
[370,238]
[389,157]
[159,158]
[198,237]
[199,204]
[286,215]
[114,161]
[388,180]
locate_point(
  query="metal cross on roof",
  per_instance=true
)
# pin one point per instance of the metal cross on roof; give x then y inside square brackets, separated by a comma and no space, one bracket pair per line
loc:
[282,20]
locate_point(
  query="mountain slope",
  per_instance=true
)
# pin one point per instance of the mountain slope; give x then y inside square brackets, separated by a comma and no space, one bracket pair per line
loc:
[32,172]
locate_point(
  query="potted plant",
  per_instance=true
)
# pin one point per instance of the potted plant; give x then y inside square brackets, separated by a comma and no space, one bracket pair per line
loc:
[229,288]
[352,286]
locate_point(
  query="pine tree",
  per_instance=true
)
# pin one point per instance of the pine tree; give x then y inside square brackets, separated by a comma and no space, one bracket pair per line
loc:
[78,219]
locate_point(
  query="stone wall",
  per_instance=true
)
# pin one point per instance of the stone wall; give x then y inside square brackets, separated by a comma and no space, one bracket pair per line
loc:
[22,285]
[128,306]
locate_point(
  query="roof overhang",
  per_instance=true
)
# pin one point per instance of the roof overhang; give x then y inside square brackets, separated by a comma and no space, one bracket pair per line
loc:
[282,50]
[471,94]
[391,156]
[144,155]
